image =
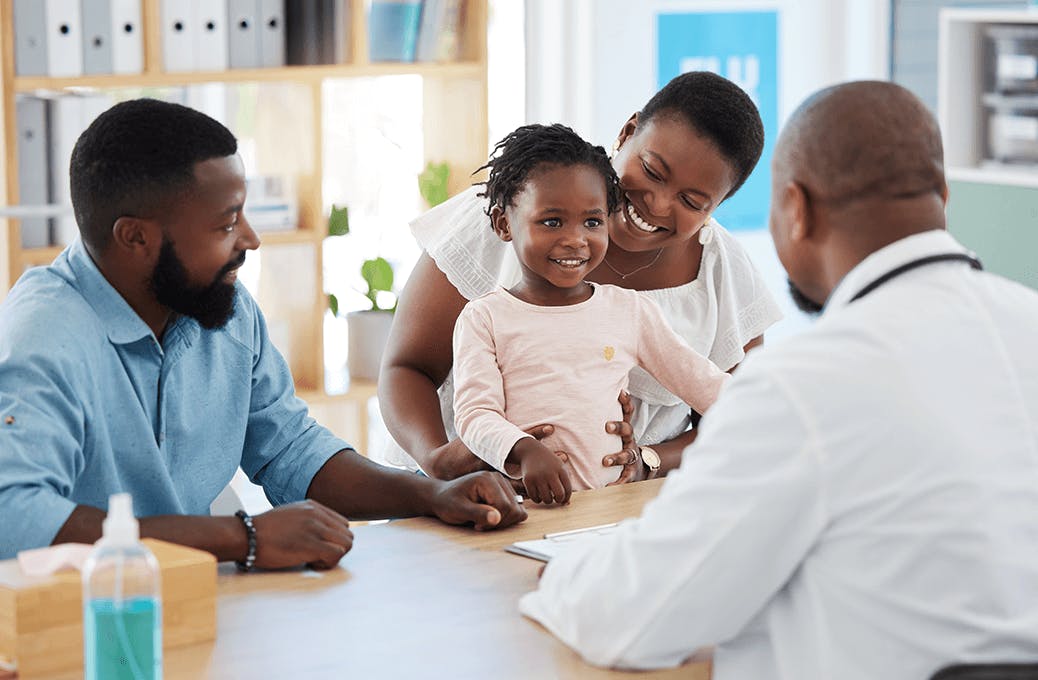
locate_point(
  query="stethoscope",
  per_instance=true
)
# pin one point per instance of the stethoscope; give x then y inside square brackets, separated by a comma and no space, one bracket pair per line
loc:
[915,264]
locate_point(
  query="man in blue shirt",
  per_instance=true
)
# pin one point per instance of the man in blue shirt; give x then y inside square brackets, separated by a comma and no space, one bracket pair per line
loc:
[136,363]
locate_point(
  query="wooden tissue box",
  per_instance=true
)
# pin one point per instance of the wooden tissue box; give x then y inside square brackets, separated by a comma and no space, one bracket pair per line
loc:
[41,617]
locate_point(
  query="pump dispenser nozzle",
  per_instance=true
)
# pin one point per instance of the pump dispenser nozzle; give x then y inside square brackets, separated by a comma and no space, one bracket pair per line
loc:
[120,527]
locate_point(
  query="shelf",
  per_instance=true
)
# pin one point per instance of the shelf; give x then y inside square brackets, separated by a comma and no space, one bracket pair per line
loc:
[306,74]
[1005,176]
[452,129]
[992,16]
[967,97]
[35,257]
[356,390]
[274,238]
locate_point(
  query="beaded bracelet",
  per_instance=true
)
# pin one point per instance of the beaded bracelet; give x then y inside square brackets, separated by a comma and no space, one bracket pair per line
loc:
[250,529]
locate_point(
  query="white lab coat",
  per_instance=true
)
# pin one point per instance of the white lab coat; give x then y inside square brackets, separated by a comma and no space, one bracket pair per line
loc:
[862,501]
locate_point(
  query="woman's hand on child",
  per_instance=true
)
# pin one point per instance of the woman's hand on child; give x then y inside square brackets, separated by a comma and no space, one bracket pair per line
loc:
[543,472]
[628,456]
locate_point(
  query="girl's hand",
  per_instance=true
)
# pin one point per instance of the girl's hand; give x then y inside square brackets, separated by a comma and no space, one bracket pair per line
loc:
[628,457]
[538,432]
[543,472]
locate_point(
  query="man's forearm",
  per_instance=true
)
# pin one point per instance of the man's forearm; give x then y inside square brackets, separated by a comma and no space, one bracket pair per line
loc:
[359,489]
[224,537]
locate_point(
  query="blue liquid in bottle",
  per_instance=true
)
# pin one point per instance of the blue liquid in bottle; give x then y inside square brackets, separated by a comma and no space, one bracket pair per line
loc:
[122,610]
[123,640]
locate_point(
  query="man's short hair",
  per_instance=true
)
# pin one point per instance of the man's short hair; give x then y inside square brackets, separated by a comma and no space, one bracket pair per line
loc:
[135,159]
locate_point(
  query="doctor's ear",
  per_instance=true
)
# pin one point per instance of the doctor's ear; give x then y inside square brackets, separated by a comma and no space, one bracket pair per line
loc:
[499,221]
[797,204]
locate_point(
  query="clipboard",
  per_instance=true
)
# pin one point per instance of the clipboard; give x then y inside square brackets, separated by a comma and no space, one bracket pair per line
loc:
[544,549]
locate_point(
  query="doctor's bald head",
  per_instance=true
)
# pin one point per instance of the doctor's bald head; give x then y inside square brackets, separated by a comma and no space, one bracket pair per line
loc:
[858,166]
[867,140]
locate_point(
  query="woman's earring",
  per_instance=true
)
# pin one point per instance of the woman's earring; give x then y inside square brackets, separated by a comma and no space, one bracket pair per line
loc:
[706,234]
[616,147]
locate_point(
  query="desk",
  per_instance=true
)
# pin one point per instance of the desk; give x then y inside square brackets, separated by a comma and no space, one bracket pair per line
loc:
[413,599]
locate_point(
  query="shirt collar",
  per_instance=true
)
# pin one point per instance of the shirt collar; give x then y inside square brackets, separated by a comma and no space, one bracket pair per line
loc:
[123,324]
[933,242]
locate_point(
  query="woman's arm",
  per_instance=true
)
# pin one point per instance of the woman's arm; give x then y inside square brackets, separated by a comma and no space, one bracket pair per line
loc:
[417,358]
[669,451]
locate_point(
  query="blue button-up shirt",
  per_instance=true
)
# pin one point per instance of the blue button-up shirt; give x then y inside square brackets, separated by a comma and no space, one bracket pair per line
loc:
[91,404]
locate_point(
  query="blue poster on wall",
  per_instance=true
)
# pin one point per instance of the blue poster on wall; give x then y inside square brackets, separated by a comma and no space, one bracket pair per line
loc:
[743,47]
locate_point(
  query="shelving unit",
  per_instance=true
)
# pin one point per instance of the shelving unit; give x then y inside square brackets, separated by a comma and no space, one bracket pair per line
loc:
[454,130]
[963,80]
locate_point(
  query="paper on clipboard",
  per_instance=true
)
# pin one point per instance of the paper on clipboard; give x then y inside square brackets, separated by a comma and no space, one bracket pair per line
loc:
[544,549]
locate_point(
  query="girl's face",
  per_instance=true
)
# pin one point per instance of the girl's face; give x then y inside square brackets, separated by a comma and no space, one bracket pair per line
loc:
[557,225]
[673,179]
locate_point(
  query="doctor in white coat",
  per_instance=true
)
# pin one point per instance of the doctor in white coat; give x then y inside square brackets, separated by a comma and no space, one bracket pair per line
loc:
[862,501]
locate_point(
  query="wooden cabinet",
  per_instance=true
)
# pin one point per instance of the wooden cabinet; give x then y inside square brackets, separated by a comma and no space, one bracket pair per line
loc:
[454,122]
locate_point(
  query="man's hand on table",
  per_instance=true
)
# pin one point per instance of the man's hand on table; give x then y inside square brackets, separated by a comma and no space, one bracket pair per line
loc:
[301,533]
[483,499]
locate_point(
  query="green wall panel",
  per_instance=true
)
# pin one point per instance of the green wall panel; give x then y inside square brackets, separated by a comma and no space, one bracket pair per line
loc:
[1000,224]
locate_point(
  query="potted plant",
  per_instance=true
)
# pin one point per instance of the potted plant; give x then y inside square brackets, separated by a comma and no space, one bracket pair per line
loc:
[368,329]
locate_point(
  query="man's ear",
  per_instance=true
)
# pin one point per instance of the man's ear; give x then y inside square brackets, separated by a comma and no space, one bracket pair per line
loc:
[798,204]
[627,131]
[499,221]
[137,236]
[944,194]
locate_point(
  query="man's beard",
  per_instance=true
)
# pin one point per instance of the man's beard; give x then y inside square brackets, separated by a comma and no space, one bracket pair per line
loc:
[803,303]
[211,306]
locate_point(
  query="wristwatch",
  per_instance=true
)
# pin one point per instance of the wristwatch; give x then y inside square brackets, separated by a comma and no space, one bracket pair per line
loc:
[651,460]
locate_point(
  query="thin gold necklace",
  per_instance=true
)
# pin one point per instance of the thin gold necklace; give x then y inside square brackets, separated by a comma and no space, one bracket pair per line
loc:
[633,271]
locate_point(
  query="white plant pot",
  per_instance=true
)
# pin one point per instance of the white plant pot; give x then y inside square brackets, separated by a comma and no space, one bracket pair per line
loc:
[368,333]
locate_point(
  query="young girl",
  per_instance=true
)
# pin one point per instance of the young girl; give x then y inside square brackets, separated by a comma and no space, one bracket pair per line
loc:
[556,348]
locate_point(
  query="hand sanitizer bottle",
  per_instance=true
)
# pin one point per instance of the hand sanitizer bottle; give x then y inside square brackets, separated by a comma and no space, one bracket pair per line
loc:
[122,610]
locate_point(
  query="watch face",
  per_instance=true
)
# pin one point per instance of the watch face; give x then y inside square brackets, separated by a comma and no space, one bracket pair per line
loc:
[651,458]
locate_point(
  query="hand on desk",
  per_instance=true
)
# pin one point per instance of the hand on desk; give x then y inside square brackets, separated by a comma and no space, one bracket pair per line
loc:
[301,533]
[483,499]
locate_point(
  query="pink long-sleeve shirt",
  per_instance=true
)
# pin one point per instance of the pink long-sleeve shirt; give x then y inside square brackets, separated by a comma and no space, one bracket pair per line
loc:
[517,365]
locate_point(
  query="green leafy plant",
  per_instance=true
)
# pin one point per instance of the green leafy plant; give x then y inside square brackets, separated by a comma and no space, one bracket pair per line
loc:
[377,273]
[432,183]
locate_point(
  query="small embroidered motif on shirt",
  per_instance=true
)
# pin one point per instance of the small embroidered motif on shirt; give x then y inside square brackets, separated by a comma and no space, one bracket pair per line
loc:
[608,353]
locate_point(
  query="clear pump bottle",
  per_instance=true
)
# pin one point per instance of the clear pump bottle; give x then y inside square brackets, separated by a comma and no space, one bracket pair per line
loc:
[122,607]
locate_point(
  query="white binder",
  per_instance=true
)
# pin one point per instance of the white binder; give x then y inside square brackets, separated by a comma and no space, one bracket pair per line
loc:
[429,29]
[127,48]
[64,38]
[69,116]
[30,38]
[97,36]
[31,114]
[244,40]
[211,34]
[272,33]
[178,42]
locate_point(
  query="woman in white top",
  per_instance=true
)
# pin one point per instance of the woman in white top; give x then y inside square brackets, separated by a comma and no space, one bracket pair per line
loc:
[691,147]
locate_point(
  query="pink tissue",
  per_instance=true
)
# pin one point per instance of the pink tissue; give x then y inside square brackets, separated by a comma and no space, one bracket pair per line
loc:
[44,561]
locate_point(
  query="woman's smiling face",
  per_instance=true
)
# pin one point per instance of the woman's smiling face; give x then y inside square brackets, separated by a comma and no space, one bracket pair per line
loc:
[673,178]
